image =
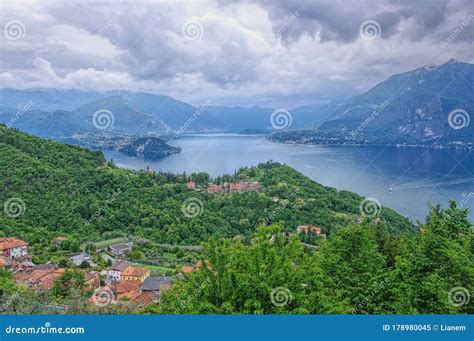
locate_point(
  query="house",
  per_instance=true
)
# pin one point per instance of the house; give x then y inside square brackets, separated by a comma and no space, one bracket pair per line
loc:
[187,269]
[120,249]
[125,290]
[79,258]
[114,272]
[140,298]
[42,276]
[156,284]
[14,253]
[190,268]
[13,248]
[135,273]
[191,185]
[91,279]
[59,240]
[120,288]
[250,186]
[213,188]
[307,229]
[242,187]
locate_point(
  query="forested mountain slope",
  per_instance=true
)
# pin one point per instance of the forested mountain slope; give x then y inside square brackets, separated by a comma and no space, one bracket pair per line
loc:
[73,191]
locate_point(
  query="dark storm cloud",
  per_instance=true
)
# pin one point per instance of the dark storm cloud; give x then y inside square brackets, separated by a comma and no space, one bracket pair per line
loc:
[244,52]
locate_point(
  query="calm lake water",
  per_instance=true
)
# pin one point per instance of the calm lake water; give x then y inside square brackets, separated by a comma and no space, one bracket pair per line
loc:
[415,175]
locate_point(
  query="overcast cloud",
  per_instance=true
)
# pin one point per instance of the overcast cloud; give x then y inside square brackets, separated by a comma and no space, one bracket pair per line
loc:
[275,53]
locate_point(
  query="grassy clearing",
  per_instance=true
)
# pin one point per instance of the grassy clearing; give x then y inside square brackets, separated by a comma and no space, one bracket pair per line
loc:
[155,269]
[104,243]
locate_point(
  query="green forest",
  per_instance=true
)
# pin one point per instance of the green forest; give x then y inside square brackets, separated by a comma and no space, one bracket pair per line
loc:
[253,260]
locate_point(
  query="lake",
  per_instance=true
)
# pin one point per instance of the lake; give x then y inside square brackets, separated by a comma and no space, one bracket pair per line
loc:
[415,176]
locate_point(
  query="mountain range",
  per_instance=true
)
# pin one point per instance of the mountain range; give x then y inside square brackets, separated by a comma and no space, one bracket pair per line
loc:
[431,104]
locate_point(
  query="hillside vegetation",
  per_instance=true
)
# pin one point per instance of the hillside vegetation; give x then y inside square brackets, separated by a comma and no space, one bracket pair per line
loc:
[75,192]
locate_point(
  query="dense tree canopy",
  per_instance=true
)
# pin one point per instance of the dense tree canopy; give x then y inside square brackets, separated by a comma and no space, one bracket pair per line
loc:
[348,273]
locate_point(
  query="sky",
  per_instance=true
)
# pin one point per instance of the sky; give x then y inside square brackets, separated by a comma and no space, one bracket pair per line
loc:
[266,53]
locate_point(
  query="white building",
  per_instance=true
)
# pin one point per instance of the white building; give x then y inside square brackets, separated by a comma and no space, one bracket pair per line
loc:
[116,270]
[13,248]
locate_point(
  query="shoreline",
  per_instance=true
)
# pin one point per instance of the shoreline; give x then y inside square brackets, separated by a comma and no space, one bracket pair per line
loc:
[440,147]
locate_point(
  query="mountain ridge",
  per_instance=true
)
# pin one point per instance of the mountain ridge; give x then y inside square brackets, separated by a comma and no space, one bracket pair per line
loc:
[428,106]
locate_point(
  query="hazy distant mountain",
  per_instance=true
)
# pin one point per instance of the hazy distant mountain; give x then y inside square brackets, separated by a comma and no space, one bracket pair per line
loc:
[172,112]
[59,112]
[48,99]
[113,114]
[127,118]
[238,119]
[412,107]
[167,112]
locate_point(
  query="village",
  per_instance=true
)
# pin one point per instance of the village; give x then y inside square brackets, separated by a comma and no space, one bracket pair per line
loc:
[227,187]
[120,282]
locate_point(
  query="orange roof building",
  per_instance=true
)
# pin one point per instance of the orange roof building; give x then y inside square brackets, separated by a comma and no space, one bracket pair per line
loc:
[123,287]
[13,248]
[187,269]
[135,273]
[39,277]
[191,185]
[306,229]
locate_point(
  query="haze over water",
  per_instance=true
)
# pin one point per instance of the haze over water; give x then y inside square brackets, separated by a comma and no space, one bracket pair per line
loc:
[415,176]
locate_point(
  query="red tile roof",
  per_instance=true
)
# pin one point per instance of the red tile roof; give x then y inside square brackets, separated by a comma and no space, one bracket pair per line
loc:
[123,287]
[10,243]
[187,269]
[306,229]
[138,298]
[135,271]
[39,277]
